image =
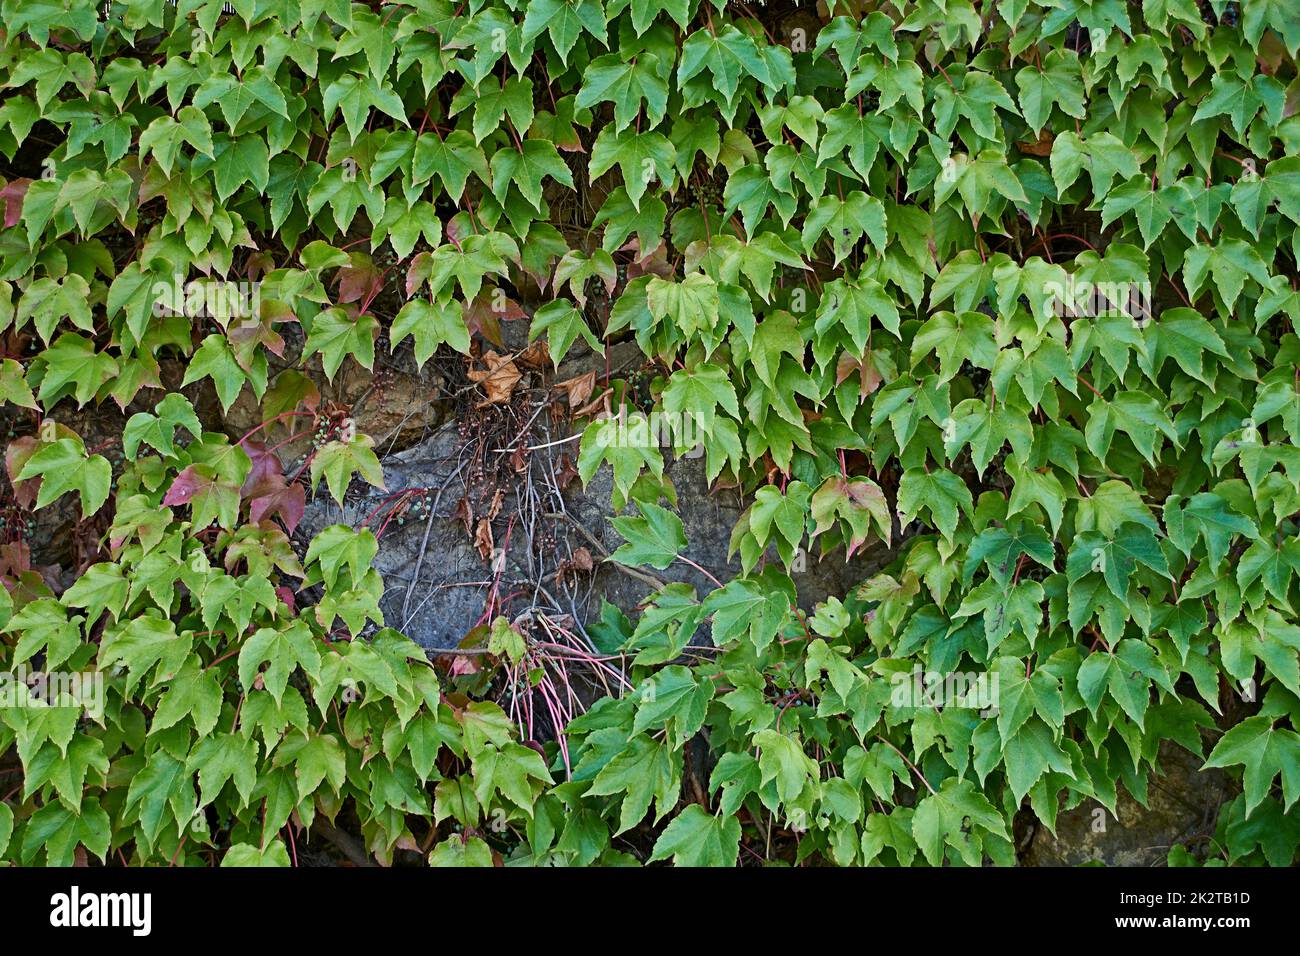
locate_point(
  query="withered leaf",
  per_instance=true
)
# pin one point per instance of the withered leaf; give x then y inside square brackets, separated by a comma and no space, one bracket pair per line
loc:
[465,512]
[536,356]
[499,380]
[579,388]
[483,542]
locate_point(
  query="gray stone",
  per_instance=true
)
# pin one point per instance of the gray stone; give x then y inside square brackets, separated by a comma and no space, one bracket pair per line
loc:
[454,581]
[1183,805]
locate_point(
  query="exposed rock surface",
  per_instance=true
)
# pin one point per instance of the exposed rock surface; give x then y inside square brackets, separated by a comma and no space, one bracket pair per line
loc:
[438,598]
[1183,805]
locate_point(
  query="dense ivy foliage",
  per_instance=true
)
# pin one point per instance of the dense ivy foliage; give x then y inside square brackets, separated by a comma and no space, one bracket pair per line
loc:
[1009,285]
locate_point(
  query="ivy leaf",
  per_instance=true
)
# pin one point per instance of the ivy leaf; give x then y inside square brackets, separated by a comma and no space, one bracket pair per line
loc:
[194,693]
[848,130]
[526,168]
[49,302]
[235,599]
[1057,82]
[978,98]
[853,304]
[224,758]
[273,854]
[1269,638]
[100,588]
[1126,675]
[339,460]
[978,180]
[60,831]
[801,116]
[621,219]
[563,21]
[644,770]
[64,466]
[642,158]
[655,537]
[336,335]
[940,822]
[1021,697]
[430,324]
[1136,414]
[788,512]
[161,793]
[967,337]
[602,443]
[1274,566]
[52,70]
[1104,155]
[776,335]
[451,160]
[283,650]
[782,761]
[356,96]
[158,428]
[673,698]
[214,359]
[698,393]
[13,385]
[1283,179]
[745,608]
[1206,516]
[1240,99]
[1116,558]
[338,546]
[893,830]
[727,54]
[467,264]
[667,625]
[1185,336]
[164,136]
[45,626]
[845,221]
[1112,504]
[1147,205]
[1029,754]
[575,268]
[318,759]
[965,278]
[1230,263]
[1265,751]
[697,838]
[244,160]
[859,502]
[751,190]
[1195,206]
[692,305]
[944,494]
[1001,548]
[1275,14]
[644,12]
[562,324]
[211,496]
[626,85]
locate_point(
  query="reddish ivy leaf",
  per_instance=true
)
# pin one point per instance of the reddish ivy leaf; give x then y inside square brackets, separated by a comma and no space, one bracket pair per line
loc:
[12,196]
[209,497]
[360,281]
[272,495]
[485,314]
